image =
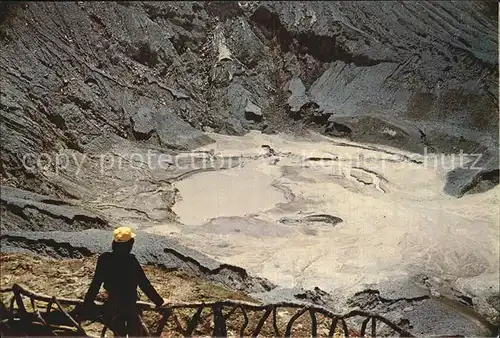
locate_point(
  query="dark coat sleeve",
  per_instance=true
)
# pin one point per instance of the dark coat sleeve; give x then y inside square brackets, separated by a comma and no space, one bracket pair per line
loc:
[146,286]
[96,283]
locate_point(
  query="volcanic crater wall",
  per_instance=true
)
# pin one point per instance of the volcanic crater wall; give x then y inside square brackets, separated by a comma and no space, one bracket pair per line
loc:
[405,74]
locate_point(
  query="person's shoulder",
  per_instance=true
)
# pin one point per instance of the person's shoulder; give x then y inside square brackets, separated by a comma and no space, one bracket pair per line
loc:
[104,257]
[133,258]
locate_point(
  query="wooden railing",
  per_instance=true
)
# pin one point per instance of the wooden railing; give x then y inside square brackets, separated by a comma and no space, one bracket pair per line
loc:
[220,312]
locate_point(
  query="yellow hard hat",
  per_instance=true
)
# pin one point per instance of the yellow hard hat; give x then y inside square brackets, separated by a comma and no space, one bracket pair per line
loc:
[123,234]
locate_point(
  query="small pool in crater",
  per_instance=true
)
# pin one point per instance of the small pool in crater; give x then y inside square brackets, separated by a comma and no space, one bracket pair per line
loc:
[223,193]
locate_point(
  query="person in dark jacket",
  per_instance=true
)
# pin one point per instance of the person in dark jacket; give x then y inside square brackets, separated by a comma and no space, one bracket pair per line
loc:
[121,274]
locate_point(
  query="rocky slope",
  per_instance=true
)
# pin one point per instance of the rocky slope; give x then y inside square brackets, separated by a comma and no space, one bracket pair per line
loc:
[405,74]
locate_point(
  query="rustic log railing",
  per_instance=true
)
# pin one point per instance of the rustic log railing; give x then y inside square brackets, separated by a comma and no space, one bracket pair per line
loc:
[219,313]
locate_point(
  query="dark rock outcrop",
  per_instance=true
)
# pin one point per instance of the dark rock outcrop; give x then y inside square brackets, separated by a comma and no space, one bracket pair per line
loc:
[478,175]
[418,315]
[320,218]
[416,302]
[24,210]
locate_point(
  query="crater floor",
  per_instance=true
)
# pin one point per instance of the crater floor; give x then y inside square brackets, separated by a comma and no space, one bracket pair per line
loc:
[315,212]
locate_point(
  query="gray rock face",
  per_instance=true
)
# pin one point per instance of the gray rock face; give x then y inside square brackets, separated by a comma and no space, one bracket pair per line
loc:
[143,123]
[161,72]
[26,210]
[478,175]
[253,112]
[416,302]
[175,133]
[418,315]
[298,97]
[410,81]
